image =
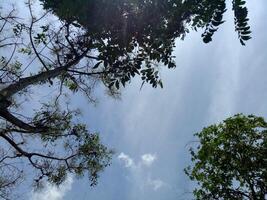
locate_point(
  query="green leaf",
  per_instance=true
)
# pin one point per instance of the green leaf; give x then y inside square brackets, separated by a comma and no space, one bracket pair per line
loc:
[117,84]
[160,84]
[97,65]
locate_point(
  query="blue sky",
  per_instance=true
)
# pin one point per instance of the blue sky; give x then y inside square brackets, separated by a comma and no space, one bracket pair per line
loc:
[211,82]
[152,129]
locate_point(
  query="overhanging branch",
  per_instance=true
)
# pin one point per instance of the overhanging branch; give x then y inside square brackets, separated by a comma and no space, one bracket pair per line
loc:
[19,123]
[43,76]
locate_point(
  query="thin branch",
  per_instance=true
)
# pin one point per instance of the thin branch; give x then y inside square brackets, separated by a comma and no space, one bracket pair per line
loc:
[90,73]
[30,155]
[31,39]
[11,56]
[8,157]
[5,19]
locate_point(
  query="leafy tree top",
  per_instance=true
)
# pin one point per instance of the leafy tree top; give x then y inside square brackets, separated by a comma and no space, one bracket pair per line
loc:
[230,161]
[133,35]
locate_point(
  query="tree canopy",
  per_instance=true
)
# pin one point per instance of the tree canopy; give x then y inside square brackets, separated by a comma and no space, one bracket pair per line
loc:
[89,42]
[131,36]
[230,160]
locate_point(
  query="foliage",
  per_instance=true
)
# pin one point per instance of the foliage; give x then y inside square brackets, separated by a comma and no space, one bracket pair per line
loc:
[230,161]
[241,21]
[47,137]
[132,37]
[89,42]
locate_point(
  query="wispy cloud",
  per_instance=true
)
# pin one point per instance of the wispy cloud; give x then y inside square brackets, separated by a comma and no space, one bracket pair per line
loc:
[155,183]
[127,161]
[53,192]
[148,159]
[140,170]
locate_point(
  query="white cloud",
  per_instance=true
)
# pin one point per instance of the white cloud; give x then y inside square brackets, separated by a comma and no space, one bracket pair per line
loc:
[53,192]
[155,183]
[128,162]
[148,159]
[141,170]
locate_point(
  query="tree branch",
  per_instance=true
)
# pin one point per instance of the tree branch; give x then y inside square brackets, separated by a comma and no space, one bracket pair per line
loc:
[90,73]
[43,76]
[30,155]
[16,121]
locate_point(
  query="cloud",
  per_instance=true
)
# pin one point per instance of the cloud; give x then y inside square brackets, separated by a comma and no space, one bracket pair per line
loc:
[155,183]
[128,162]
[53,192]
[140,170]
[148,159]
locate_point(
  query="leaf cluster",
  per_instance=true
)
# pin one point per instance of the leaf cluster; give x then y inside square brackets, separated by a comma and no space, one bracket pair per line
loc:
[241,20]
[132,37]
[230,161]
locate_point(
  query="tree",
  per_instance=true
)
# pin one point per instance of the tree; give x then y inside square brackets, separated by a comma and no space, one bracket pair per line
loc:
[111,44]
[49,139]
[138,34]
[230,161]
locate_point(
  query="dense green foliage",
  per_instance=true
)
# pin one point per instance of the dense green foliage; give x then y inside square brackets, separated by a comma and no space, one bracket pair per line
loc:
[230,161]
[132,35]
[69,47]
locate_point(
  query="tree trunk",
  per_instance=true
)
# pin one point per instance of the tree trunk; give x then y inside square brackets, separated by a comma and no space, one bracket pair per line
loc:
[31,80]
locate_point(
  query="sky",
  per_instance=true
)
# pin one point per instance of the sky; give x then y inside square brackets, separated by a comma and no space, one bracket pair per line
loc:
[151,130]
